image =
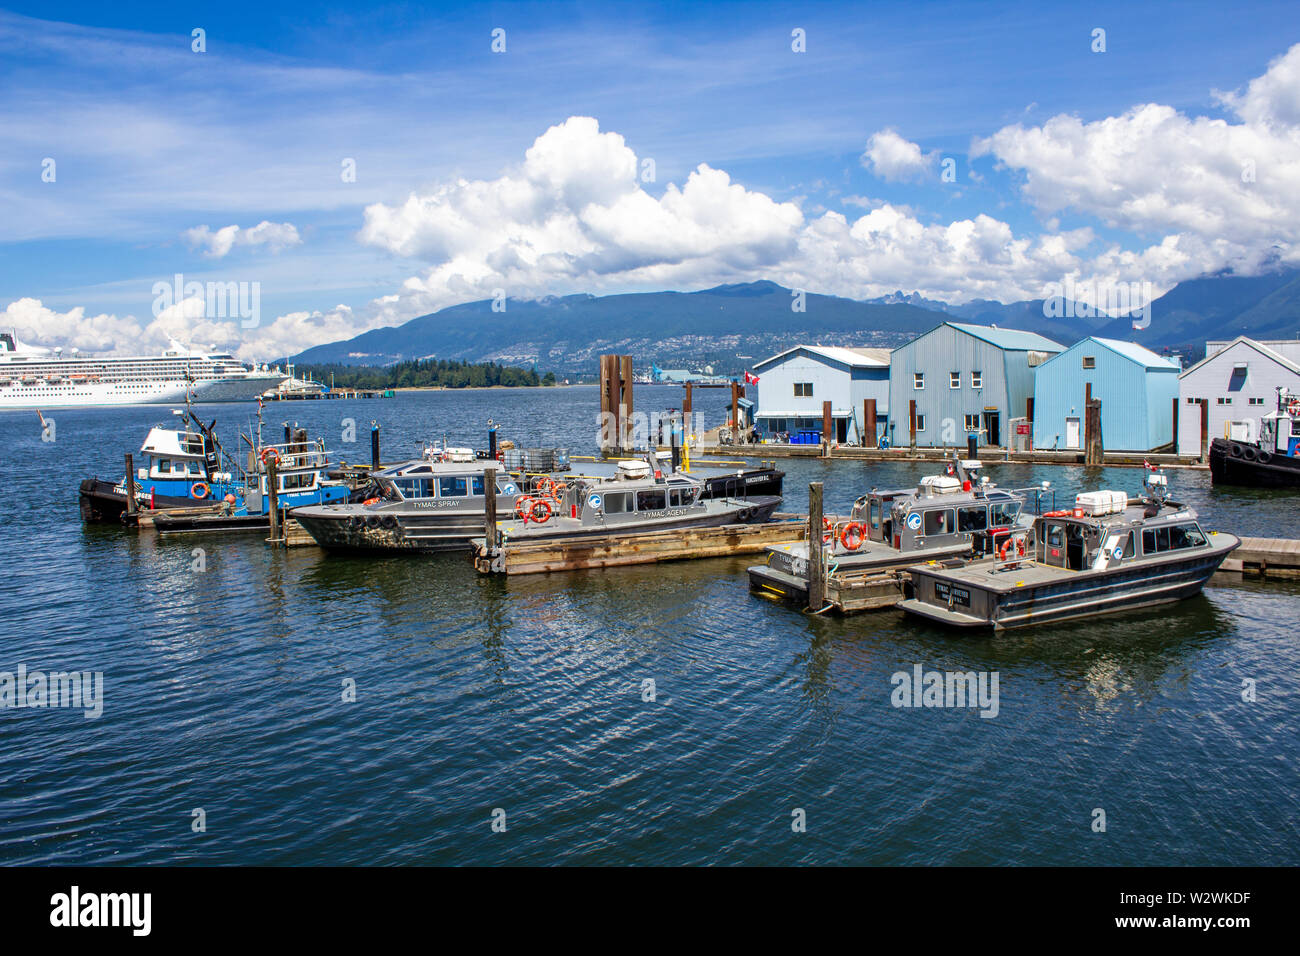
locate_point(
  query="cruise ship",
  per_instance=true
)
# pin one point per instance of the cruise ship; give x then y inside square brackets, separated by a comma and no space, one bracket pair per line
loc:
[33,377]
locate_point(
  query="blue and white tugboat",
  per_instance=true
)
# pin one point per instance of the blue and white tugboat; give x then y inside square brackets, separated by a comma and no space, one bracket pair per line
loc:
[1108,553]
[183,468]
[1271,462]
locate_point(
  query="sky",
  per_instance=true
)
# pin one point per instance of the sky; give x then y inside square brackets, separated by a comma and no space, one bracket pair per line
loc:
[348,166]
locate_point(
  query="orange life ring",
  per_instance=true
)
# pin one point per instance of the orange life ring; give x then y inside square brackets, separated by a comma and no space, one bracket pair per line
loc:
[859,535]
[540,511]
[543,485]
[1012,543]
[195,491]
[523,507]
[558,488]
[270,453]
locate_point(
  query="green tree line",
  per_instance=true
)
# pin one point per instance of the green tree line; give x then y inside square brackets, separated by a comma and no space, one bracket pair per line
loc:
[425,373]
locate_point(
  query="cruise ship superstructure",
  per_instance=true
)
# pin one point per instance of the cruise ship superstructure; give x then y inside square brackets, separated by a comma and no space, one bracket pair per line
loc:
[41,378]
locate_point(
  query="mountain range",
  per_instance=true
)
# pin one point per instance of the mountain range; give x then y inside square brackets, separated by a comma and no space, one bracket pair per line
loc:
[732,326]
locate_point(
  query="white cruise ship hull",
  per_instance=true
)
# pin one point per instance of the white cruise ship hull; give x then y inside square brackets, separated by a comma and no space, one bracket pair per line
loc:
[44,395]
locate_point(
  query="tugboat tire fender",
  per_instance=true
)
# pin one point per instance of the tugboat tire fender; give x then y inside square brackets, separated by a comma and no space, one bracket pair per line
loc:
[1264,457]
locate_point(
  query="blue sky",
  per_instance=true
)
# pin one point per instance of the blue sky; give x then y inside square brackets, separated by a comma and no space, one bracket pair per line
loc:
[152,141]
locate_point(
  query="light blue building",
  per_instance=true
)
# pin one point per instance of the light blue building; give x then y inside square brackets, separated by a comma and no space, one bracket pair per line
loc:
[795,385]
[1136,386]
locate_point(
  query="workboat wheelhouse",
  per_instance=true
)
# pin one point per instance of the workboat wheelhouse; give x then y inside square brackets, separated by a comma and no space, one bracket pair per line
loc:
[959,515]
[1271,462]
[1107,553]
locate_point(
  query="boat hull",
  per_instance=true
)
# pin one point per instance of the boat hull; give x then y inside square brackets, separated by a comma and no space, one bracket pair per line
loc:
[1243,464]
[1006,603]
[101,502]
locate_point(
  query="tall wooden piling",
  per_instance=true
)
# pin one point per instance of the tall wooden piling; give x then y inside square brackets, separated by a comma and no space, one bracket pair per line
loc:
[616,406]
[130,484]
[273,499]
[374,445]
[911,429]
[816,562]
[869,423]
[490,508]
[1094,453]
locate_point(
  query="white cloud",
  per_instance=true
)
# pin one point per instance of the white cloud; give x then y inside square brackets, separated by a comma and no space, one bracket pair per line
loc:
[216,244]
[895,159]
[1224,194]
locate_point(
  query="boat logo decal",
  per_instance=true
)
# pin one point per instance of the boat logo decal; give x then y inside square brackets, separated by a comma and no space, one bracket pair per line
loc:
[914,520]
[594,501]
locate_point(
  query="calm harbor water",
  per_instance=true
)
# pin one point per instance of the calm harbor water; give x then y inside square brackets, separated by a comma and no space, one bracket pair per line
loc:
[223,691]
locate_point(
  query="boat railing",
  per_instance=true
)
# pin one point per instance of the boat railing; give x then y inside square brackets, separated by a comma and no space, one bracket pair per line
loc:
[297,455]
[1039,494]
[1011,549]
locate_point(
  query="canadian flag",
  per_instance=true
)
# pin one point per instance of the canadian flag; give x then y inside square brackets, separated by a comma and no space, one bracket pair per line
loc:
[751,379]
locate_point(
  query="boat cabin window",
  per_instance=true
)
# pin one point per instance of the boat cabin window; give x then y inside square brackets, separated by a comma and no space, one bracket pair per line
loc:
[1172,538]
[618,502]
[874,512]
[679,497]
[451,486]
[414,487]
[974,518]
[651,500]
[299,481]
[939,521]
[476,486]
[1003,514]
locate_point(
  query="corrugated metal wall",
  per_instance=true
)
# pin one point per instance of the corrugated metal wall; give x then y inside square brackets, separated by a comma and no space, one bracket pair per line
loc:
[1212,381]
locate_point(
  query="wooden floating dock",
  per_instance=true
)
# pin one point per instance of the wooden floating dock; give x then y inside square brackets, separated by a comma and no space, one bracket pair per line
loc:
[988,454]
[607,551]
[1267,557]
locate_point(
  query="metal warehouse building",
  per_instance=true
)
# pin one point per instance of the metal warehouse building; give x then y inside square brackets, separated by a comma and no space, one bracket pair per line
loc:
[1137,388]
[958,378]
[1232,388]
[795,386]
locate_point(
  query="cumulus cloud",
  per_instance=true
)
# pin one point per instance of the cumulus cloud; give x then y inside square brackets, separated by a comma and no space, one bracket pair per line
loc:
[895,159]
[216,244]
[1220,194]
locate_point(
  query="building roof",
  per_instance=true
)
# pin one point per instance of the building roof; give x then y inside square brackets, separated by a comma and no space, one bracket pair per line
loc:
[1263,350]
[1129,350]
[1013,339]
[852,357]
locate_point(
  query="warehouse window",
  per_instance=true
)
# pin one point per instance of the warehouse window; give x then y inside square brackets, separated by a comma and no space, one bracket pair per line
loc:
[972,423]
[803,389]
[976,379]
[1257,401]
[918,380]
[954,379]
[1192,401]
[920,423]
[1224,400]
[1090,361]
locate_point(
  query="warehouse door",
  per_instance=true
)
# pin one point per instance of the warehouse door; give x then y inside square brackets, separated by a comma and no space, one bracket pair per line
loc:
[992,434]
[1072,433]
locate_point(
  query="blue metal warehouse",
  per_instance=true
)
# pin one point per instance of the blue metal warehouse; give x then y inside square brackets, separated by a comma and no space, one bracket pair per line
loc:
[1136,386]
[959,378]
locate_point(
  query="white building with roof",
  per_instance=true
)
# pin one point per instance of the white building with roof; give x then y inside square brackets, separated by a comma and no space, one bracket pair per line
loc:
[794,385]
[1237,384]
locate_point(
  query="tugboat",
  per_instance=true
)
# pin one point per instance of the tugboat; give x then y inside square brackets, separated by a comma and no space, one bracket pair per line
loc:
[1106,554]
[1273,461]
[958,516]
[184,470]
[302,478]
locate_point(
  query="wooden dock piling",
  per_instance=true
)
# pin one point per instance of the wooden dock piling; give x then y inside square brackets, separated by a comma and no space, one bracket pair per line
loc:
[273,500]
[816,563]
[130,484]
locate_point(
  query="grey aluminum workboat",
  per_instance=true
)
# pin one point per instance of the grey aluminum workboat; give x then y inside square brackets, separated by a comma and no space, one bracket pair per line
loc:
[421,506]
[955,516]
[1095,558]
